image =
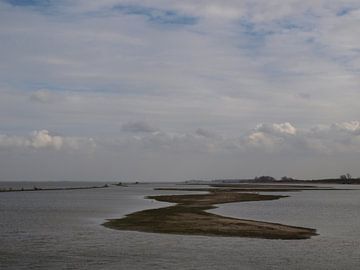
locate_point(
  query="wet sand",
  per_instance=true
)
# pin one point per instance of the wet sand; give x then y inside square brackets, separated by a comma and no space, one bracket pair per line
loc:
[189,216]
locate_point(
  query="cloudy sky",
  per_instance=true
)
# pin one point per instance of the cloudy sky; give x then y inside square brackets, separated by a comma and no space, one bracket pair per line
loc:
[176,90]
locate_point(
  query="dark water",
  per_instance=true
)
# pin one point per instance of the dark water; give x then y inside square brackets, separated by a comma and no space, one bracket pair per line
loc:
[62,230]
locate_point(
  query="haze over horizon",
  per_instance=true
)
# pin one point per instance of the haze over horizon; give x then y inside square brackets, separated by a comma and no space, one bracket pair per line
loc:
[176,90]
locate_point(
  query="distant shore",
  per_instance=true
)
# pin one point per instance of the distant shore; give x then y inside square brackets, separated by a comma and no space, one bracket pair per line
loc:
[49,189]
[189,215]
[271,180]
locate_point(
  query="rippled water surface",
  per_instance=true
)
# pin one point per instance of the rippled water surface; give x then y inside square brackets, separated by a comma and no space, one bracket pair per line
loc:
[62,230]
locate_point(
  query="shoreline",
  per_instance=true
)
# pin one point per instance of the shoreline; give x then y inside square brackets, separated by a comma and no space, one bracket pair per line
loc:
[50,189]
[189,217]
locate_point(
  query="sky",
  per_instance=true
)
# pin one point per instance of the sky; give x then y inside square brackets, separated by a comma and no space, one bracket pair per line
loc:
[161,90]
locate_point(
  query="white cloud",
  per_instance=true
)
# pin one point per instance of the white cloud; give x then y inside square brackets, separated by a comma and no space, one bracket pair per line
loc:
[351,127]
[271,136]
[260,139]
[282,128]
[44,139]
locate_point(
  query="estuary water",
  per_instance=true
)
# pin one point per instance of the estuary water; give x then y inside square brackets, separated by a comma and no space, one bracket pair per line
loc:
[62,230]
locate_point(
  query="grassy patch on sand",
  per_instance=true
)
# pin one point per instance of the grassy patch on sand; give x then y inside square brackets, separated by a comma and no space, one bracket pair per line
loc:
[189,216]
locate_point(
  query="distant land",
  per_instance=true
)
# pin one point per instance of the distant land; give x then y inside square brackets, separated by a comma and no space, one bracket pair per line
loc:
[35,188]
[343,179]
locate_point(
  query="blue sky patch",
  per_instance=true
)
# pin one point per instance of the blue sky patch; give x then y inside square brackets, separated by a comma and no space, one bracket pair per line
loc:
[344,11]
[28,2]
[255,35]
[251,29]
[158,15]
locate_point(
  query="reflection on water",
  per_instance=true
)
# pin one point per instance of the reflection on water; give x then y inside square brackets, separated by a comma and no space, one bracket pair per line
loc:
[61,230]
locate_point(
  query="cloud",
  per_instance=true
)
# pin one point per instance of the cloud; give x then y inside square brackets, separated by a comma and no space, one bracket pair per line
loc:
[282,128]
[260,139]
[274,138]
[305,96]
[271,136]
[223,65]
[205,133]
[267,138]
[322,139]
[352,127]
[45,96]
[266,145]
[139,127]
[161,142]
[44,139]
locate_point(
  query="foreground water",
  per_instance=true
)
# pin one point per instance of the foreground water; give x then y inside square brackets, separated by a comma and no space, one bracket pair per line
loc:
[62,230]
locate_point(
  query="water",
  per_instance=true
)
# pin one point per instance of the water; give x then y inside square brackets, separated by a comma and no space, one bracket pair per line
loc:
[62,230]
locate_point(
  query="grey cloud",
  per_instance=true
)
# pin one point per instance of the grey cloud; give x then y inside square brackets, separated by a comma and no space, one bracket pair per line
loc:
[45,96]
[215,156]
[352,127]
[303,95]
[271,138]
[139,127]
[205,133]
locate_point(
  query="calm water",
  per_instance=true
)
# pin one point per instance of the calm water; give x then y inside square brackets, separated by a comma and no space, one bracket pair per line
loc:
[62,230]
